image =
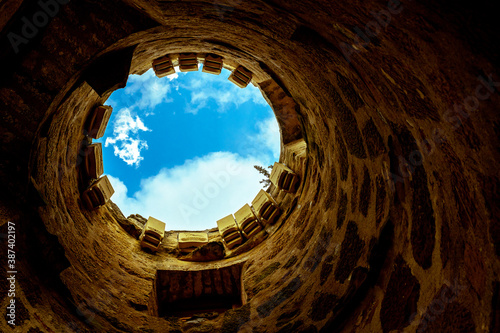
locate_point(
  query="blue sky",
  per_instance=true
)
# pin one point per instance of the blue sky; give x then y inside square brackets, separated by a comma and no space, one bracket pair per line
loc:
[182,148]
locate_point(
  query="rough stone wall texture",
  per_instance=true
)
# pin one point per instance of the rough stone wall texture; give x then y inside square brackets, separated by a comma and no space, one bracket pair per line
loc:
[395,224]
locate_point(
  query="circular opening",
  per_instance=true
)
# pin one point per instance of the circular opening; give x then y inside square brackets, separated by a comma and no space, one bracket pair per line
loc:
[183,148]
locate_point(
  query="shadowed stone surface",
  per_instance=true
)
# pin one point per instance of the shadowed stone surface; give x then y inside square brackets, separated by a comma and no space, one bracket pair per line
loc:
[395,225]
[401,300]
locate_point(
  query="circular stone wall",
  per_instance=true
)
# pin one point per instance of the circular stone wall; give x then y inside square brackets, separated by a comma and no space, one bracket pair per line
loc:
[394,225]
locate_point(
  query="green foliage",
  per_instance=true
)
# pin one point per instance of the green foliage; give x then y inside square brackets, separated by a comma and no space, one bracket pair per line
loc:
[266,181]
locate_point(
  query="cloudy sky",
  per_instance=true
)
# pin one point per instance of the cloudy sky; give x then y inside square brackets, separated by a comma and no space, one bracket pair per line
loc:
[182,148]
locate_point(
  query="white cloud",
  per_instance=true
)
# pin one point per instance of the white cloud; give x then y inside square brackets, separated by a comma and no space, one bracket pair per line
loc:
[269,135]
[195,195]
[125,140]
[173,76]
[153,90]
[264,142]
[223,92]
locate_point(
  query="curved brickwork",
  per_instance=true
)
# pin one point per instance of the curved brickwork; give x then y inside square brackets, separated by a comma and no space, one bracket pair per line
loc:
[393,226]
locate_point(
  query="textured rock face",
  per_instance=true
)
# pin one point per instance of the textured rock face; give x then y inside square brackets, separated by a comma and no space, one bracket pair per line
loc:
[395,225]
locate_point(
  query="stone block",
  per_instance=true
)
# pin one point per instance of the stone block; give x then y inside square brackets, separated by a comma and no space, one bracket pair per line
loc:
[247,221]
[93,161]
[266,209]
[188,62]
[98,120]
[213,64]
[163,66]
[230,231]
[240,77]
[153,234]
[98,193]
[189,241]
[284,178]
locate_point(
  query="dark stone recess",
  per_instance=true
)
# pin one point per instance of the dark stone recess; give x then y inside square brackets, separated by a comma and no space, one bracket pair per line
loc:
[444,316]
[234,319]
[341,213]
[306,35]
[292,261]
[349,126]
[491,193]
[184,293]
[342,155]
[354,191]
[495,308]
[351,251]
[373,139]
[208,252]
[460,187]
[380,199]
[396,181]
[291,208]
[35,330]
[47,260]
[330,195]
[278,298]
[286,317]
[326,268]
[345,305]
[306,237]
[401,299]
[349,92]
[115,65]
[267,271]
[365,193]
[322,305]
[362,280]
[319,251]
[423,227]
